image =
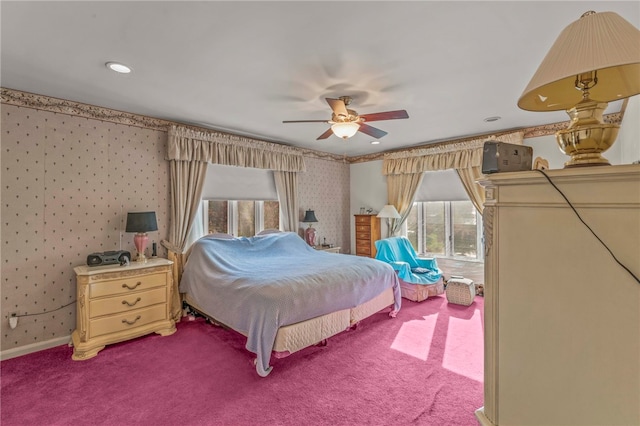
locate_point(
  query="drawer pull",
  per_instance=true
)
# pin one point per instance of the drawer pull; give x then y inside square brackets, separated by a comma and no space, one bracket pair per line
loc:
[131,322]
[125,285]
[124,302]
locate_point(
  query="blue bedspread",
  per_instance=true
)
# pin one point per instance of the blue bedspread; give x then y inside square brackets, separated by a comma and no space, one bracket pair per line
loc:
[256,285]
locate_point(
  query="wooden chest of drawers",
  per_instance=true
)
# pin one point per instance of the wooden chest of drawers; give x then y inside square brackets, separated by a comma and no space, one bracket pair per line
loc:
[117,303]
[367,233]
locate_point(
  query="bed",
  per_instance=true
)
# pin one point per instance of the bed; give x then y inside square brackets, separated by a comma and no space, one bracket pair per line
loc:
[282,294]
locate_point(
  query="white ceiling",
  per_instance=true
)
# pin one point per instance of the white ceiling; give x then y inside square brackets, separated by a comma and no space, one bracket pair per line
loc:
[244,67]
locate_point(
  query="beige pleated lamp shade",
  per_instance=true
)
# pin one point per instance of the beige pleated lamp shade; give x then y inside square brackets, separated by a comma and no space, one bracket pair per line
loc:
[603,41]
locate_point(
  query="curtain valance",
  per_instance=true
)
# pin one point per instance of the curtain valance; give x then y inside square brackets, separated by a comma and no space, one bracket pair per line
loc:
[220,148]
[454,155]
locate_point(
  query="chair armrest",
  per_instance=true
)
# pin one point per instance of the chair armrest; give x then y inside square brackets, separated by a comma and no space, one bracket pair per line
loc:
[427,262]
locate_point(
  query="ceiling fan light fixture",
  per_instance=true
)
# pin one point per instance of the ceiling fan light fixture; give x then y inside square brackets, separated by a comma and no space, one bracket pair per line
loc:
[345,130]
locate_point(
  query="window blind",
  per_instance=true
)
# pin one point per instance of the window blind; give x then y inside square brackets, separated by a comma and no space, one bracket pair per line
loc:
[238,183]
[441,185]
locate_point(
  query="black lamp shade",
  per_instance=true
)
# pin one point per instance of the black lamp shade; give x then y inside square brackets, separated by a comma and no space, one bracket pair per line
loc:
[310,216]
[141,222]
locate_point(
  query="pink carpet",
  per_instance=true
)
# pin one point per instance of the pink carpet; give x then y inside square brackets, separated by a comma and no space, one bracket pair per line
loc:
[424,367]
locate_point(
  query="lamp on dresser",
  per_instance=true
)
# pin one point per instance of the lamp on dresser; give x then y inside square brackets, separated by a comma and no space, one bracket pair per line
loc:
[389,212]
[595,60]
[141,223]
[310,233]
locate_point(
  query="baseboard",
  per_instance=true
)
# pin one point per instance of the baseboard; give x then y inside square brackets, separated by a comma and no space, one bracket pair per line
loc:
[34,347]
[484,421]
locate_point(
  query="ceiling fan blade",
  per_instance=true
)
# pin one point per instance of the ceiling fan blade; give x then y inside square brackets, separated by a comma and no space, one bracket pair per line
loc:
[325,135]
[306,121]
[371,131]
[388,115]
[338,107]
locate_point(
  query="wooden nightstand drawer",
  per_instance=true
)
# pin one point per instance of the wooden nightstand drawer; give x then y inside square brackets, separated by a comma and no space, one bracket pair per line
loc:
[126,285]
[117,303]
[126,302]
[126,321]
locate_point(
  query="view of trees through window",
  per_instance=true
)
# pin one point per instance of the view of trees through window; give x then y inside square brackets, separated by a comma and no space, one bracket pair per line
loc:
[445,229]
[244,218]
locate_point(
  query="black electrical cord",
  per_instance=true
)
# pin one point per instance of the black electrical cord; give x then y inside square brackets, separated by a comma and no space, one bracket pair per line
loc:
[588,227]
[43,313]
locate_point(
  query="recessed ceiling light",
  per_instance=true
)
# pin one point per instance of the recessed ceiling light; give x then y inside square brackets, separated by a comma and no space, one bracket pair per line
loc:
[490,119]
[118,67]
[375,142]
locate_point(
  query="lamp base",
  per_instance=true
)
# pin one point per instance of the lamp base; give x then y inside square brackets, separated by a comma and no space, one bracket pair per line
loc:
[140,240]
[587,137]
[310,236]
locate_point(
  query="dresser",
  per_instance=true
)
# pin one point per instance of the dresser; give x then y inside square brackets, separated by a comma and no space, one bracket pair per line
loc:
[117,303]
[562,317]
[367,233]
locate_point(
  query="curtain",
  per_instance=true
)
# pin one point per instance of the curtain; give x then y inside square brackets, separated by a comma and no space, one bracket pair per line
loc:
[222,148]
[189,151]
[187,178]
[401,191]
[448,155]
[464,156]
[469,178]
[287,187]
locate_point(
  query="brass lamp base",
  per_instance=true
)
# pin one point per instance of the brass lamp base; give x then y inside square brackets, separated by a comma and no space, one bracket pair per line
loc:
[587,137]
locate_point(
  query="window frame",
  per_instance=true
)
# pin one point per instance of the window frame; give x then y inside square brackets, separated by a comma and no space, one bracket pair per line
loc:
[232,215]
[448,232]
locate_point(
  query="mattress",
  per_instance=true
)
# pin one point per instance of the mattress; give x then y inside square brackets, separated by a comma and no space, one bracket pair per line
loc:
[294,337]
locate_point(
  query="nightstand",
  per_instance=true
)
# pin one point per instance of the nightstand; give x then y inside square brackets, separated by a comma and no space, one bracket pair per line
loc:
[117,303]
[328,249]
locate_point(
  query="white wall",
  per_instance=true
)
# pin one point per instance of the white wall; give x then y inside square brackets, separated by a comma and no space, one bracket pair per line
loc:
[629,136]
[369,190]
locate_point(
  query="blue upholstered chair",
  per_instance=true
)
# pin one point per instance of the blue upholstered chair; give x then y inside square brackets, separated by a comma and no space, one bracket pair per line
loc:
[419,277]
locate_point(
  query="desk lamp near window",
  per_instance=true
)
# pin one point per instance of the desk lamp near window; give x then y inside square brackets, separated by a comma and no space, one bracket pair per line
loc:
[141,223]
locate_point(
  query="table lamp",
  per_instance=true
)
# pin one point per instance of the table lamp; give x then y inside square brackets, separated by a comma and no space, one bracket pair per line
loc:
[141,223]
[599,55]
[389,212]
[310,233]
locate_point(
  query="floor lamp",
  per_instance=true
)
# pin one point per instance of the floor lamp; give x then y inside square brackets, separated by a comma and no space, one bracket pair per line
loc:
[389,212]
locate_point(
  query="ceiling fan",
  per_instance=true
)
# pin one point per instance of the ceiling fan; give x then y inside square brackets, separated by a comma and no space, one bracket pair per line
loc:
[346,122]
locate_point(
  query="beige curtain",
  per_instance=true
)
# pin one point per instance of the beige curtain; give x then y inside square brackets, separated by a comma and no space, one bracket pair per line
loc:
[464,156]
[223,148]
[469,178]
[287,187]
[401,191]
[187,179]
[189,151]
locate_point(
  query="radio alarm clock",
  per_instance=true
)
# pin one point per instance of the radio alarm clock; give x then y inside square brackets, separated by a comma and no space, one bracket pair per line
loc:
[113,257]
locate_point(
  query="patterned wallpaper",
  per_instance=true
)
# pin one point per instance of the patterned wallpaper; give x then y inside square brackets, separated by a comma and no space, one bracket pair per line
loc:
[68,182]
[324,188]
[67,185]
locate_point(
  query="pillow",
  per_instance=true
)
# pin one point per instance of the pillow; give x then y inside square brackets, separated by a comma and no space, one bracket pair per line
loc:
[219,236]
[268,231]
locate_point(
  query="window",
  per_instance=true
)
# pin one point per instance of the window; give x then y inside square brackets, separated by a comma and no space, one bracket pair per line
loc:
[446,229]
[240,218]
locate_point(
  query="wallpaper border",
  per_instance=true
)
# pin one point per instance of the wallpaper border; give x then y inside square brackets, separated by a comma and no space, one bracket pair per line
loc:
[47,103]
